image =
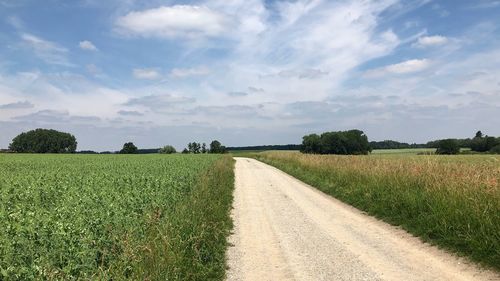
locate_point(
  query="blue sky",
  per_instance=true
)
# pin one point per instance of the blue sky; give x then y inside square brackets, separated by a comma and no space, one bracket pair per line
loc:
[248,72]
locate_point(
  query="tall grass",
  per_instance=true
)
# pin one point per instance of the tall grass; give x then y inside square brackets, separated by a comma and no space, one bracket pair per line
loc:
[451,201]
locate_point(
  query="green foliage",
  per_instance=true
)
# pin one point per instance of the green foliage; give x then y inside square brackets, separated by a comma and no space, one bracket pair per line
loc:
[448,146]
[44,141]
[390,144]
[311,144]
[111,217]
[129,148]
[495,149]
[194,147]
[167,149]
[483,144]
[217,147]
[342,142]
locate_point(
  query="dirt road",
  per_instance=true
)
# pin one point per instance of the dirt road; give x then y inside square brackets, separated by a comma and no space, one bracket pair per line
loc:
[286,230]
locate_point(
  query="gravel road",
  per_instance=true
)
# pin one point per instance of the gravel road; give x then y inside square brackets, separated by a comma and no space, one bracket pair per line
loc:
[287,230]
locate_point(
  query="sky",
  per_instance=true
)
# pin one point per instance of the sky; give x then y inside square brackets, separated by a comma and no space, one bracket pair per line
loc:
[248,72]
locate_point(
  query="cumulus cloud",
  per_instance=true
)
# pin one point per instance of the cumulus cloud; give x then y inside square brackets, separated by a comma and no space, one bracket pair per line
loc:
[173,21]
[130,113]
[430,41]
[188,72]
[255,89]
[56,117]
[405,67]
[147,73]
[47,51]
[87,45]
[17,105]
[159,102]
[237,94]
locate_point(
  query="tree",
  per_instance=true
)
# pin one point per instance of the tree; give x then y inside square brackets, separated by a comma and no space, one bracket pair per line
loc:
[167,149]
[194,147]
[448,146]
[129,148]
[217,147]
[185,151]
[44,141]
[204,148]
[311,144]
[482,143]
[495,149]
[342,142]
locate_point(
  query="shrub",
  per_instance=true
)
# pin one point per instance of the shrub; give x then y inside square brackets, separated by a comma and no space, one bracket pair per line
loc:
[448,146]
[167,149]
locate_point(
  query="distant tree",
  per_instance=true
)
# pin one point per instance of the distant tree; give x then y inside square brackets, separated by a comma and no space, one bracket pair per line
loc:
[167,149]
[217,147]
[204,148]
[194,147]
[342,142]
[44,141]
[185,151]
[482,143]
[311,144]
[495,149]
[129,148]
[448,146]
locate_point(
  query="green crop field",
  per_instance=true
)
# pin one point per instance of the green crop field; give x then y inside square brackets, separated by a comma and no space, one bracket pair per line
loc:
[451,201]
[114,217]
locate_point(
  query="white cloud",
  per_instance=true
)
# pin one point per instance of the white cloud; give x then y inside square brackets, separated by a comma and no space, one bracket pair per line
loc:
[87,45]
[173,21]
[147,73]
[405,67]
[47,51]
[187,72]
[430,41]
[16,22]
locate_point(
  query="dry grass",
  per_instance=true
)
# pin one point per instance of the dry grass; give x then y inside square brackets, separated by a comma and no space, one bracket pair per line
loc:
[452,201]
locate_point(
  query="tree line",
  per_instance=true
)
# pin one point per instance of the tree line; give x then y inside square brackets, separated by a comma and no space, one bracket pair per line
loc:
[266,147]
[479,143]
[341,142]
[52,141]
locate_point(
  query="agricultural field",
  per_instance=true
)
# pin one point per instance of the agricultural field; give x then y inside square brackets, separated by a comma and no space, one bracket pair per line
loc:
[406,151]
[114,217]
[450,201]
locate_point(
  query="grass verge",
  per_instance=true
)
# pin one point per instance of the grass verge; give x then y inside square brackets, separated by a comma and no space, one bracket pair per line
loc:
[449,201]
[191,243]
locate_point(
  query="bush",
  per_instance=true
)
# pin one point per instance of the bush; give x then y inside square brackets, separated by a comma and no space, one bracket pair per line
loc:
[448,146]
[44,141]
[129,148]
[342,142]
[167,149]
